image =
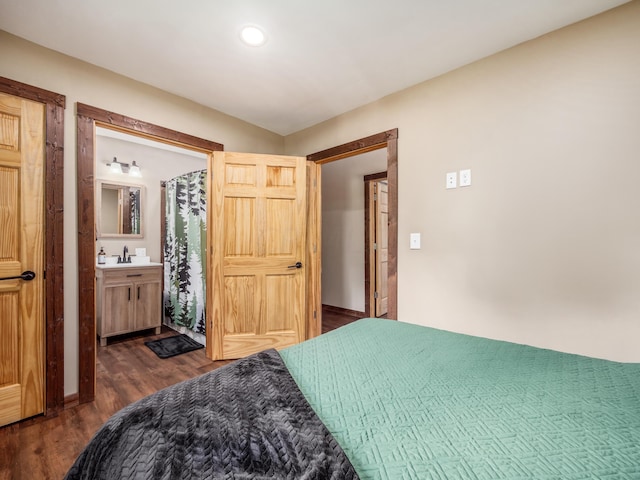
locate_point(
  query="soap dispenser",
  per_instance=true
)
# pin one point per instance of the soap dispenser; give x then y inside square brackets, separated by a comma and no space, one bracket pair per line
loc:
[102,257]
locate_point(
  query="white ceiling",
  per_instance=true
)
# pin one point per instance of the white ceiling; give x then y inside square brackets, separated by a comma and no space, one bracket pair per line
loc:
[322,57]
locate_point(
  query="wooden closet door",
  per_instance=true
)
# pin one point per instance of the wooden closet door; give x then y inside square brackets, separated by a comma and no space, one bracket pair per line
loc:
[21,250]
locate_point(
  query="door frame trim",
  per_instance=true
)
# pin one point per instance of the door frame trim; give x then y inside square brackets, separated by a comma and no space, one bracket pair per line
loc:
[388,140]
[54,104]
[87,119]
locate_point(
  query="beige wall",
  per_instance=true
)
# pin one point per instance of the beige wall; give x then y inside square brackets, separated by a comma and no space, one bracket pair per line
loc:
[543,248]
[343,228]
[84,83]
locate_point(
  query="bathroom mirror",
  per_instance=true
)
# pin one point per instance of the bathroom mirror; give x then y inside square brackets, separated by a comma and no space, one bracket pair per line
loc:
[118,210]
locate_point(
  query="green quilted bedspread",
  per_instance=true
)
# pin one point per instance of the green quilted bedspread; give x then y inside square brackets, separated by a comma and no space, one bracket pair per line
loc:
[406,401]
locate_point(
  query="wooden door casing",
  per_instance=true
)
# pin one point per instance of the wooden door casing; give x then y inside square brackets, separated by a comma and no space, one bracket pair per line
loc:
[54,105]
[388,140]
[87,119]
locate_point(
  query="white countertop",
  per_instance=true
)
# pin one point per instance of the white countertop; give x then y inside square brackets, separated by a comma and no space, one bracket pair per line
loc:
[128,265]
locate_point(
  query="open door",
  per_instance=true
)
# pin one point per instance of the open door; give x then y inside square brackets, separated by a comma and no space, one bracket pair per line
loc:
[381,202]
[256,246]
[21,258]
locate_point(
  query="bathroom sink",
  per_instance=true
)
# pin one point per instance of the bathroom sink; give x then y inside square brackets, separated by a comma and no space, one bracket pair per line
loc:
[140,259]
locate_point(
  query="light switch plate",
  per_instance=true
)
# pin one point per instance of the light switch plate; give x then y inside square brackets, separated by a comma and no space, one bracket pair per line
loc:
[414,241]
[452,179]
[465,178]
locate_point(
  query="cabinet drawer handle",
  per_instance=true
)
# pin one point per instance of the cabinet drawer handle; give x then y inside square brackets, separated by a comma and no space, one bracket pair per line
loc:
[138,293]
[134,275]
[129,294]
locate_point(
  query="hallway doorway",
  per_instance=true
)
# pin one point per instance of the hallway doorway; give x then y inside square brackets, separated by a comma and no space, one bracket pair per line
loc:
[385,140]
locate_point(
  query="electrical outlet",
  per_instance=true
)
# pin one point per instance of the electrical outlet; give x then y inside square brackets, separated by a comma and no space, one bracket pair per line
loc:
[452,180]
[465,178]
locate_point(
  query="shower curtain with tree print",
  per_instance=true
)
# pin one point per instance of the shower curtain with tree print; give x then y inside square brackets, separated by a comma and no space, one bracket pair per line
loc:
[185,254]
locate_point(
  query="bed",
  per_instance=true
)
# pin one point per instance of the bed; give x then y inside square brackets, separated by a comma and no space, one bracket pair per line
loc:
[389,400]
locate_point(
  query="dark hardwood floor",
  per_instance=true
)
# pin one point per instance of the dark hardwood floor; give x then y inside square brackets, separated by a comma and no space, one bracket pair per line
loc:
[332,320]
[127,371]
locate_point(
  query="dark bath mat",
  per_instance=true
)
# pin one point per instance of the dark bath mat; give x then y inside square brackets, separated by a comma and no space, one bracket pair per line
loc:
[172,346]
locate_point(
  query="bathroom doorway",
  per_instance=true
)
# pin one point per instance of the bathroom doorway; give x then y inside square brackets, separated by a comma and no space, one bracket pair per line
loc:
[88,118]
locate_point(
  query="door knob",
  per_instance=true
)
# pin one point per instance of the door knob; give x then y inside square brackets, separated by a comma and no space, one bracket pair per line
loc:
[27,275]
[296,265]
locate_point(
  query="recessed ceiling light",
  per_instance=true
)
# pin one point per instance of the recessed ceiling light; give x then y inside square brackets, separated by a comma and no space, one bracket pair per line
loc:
[253,36]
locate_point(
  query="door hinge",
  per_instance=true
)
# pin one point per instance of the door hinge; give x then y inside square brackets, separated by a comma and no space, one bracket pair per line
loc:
[375,294]
[375,197]
[315,314]
[375,246]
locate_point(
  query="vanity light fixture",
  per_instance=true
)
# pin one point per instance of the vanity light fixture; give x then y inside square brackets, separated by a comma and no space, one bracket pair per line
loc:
[134,170]
[121,167]
[115,166]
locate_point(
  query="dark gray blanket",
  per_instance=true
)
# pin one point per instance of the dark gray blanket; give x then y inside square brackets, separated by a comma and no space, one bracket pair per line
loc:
[247,420]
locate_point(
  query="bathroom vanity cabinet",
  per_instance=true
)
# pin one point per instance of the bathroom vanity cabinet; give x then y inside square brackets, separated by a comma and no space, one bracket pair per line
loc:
[128,299]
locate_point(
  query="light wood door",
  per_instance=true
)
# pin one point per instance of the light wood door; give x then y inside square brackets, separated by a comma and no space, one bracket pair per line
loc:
[257,228]
[21,249]
[382,247]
